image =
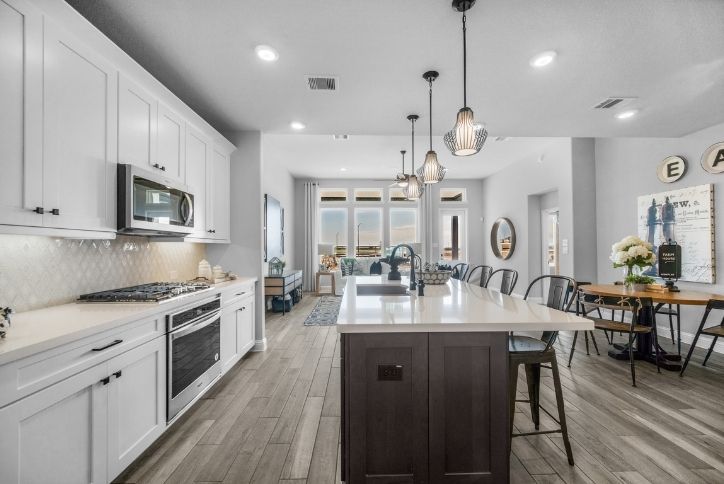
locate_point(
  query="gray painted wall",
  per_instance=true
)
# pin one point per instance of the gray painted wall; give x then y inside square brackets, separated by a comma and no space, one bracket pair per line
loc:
[515,193]
[625,169]
[473,205]
[583,177]
[279,183]
[244,255]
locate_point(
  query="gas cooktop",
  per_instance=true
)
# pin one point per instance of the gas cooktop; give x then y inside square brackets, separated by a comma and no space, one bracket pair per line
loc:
[154,292]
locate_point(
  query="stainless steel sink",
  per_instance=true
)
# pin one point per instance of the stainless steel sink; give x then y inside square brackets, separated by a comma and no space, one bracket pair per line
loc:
[381,290]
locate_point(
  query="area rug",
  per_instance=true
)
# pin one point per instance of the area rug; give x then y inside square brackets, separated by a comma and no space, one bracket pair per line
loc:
[325,312]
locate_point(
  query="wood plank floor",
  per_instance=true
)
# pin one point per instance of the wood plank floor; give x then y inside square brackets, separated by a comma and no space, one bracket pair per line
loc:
[274,418]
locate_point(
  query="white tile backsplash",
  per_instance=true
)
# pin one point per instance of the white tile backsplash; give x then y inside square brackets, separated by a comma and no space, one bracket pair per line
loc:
[37,272]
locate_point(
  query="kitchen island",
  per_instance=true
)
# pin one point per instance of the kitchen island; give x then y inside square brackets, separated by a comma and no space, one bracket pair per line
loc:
[425,379]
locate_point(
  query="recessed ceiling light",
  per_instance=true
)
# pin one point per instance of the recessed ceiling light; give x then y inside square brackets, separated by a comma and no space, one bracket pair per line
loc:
[627,114]
[297,126]
[266,53]
[343,169]
[543,59]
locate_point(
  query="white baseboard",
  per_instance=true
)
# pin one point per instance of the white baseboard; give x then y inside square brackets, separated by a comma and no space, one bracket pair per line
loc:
[703,342]
[259,345]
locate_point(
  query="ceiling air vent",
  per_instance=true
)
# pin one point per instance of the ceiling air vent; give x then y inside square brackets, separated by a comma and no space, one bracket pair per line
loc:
[322,83]
[612,102]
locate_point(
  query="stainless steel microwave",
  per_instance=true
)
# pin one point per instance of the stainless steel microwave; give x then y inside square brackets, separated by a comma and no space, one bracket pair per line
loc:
[150,204]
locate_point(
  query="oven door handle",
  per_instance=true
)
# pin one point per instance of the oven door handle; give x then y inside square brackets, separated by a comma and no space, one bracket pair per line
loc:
[193,327]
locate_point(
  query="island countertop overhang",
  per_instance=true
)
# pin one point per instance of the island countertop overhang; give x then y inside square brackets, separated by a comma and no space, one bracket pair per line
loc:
[452,307]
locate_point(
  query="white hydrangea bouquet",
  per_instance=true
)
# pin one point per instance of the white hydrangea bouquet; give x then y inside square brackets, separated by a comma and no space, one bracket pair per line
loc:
[633,253]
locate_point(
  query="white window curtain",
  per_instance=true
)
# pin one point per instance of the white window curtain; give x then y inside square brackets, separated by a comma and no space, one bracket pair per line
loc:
[311,234]
[427,228]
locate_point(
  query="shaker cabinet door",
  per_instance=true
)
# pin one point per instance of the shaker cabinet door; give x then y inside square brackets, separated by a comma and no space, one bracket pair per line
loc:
[21,162]
[79,135]
[220,195]
[171,144]
[136,403]
[245,326]
[468,407]
[58,434]
[137,114]
[386,422]
[229,340]
[198,170]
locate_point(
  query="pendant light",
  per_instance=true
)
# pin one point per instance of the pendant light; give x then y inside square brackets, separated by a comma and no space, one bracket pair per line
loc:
[431,170]
[402,178]
[466,138]
[414,188]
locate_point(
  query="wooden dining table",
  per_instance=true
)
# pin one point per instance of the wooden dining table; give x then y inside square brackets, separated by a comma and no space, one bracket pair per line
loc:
[645,344]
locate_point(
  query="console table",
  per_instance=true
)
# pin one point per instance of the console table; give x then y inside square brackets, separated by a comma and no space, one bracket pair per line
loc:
[283,284]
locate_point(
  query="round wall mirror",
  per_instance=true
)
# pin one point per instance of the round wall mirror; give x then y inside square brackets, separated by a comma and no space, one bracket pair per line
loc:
[502,238]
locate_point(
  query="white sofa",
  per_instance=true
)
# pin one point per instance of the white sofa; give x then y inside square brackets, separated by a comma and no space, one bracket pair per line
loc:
[361,268]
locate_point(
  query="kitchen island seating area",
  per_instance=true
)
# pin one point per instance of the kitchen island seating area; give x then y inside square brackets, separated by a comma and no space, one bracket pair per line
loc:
[536,354]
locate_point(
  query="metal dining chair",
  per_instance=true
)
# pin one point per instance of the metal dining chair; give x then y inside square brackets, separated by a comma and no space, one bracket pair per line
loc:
[508,279]
[589,303]
[539,353]
[479,275]
[713,331]
[459,271]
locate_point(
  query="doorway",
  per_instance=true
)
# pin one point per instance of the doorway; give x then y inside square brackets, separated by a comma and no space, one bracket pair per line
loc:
[453,235]
[550,242]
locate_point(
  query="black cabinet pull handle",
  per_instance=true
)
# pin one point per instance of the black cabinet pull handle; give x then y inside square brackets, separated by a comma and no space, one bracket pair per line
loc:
[156,165]
[55,211]
[112,343]
[39,210]
[118,374]
[163,168]
[106,380]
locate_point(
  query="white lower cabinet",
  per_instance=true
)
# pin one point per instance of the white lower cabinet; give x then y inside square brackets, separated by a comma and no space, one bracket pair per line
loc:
[59,434]
[89,427]
[237,331]
[136,403]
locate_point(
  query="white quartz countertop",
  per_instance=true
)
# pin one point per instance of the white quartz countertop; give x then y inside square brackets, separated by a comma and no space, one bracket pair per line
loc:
[42,329]
[453,307]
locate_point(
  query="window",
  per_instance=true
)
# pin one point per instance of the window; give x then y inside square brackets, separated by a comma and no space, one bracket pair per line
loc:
[368,195]
[453,230]
[333,229]
[398,195]
[368,232]
[403,226]
[452,195]
[333,194]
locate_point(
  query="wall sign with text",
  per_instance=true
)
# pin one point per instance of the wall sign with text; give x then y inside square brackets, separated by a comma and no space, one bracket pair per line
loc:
[671,169]
[713,158]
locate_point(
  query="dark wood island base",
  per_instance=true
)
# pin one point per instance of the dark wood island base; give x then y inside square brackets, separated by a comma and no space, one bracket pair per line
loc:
[425,407]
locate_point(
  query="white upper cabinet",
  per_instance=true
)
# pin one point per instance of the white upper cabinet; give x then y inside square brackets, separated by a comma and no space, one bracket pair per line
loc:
[220,195]
[21,163]
[198,170]
[137,114]
[79,132]
[73,106]
[171,146]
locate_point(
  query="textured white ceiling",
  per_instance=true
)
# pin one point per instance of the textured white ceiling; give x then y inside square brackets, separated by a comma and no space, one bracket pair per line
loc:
[378,157]
[668,53]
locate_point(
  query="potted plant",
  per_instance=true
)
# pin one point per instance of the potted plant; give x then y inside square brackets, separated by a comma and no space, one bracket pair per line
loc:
[634,254]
